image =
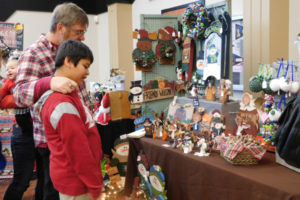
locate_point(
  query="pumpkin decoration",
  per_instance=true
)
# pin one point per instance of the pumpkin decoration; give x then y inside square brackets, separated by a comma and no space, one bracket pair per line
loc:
[143,56]
[165,48]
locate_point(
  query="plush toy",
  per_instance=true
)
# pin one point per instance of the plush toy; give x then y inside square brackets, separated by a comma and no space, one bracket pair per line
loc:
[103,113]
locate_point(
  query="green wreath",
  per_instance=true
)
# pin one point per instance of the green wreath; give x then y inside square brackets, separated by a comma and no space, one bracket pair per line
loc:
[193,21]
[167,50]
[144,59]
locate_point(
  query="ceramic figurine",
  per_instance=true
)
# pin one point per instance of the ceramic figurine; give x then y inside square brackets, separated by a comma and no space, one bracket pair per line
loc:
[247,117]
[157,127]
[210,92]
[217,124]
[203,148]
[224,90]
[148,128]
[196,118]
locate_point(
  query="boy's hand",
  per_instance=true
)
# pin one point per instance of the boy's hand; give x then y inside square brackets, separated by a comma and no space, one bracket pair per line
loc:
[63,85]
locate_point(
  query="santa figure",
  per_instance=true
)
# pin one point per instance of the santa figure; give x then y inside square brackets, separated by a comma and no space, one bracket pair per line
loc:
[103,114]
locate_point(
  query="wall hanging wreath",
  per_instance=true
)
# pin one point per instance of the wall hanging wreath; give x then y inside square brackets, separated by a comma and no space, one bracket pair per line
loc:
[143,56]
[165,48]
[194,21]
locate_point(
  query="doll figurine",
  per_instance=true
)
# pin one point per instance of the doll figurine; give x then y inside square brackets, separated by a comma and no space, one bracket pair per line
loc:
[224,90]
[148,128]
[196,118]
[157,127]
[165,130]
[210,92]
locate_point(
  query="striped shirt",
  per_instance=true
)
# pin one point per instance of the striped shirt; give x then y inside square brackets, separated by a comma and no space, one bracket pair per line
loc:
[36,62]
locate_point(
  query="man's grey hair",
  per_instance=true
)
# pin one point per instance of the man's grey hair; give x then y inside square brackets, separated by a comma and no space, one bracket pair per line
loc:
[68,14]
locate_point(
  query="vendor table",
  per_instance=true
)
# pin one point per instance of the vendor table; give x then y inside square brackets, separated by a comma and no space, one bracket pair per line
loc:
[189,177]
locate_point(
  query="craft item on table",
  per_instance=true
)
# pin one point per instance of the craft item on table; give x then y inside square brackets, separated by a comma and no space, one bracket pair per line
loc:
[195,21]
[181,112]
[102,115]
[148,126]
[180,88]
[143,56]
[203,148]
[217,124]
[158,89]
[158,183]
[196,119]
[242,150]
[139,122]
[255,84]
[157,133]
[165,48]
[210,92]
[136,92]
[171,130]
[219,142]
[165,129]
[267,75]
[224,90]
[247,117]
[194,91]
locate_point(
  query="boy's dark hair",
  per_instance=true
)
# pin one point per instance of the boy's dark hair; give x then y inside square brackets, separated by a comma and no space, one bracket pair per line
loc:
[74,50]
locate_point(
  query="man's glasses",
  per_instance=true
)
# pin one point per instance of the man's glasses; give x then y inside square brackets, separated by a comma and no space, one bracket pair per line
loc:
[78,32]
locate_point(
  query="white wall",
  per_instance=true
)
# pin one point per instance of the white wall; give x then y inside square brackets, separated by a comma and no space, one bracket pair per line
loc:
[294,29]
[96,37]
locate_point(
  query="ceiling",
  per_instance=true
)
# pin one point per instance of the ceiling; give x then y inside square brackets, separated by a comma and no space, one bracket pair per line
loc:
[8,7]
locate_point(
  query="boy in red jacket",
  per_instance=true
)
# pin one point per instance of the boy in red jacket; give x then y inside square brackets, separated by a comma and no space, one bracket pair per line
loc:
[72,135]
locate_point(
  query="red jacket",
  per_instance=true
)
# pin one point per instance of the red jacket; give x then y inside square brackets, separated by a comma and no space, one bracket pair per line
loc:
[6,95]
[74,143]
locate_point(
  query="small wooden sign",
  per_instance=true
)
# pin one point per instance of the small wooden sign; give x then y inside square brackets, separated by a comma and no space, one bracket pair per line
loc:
[157,94]
[115,178]
[112,171]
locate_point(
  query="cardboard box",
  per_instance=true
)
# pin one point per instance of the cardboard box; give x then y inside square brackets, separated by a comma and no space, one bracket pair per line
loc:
[119,105]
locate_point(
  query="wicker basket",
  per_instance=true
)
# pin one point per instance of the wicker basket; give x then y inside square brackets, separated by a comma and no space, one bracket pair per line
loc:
[243,158]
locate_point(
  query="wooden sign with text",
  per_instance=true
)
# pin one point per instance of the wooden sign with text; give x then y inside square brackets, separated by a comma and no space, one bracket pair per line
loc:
[157,94]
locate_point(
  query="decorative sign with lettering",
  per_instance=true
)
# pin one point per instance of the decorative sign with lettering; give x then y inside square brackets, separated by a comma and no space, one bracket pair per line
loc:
[157,94]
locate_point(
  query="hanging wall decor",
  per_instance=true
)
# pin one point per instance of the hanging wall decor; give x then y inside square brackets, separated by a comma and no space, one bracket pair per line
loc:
[195,21]
[143,56]
[158,89]
[165,48]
